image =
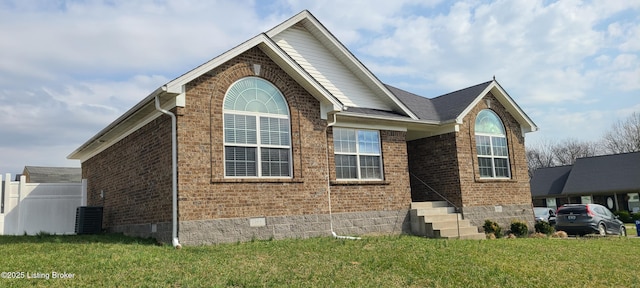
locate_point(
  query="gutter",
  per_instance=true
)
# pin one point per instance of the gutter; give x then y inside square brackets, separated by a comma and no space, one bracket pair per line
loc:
[147,100]
[329,124]
[174,170]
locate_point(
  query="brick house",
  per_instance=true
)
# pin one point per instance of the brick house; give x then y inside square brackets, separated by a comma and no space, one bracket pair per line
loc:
[289,135]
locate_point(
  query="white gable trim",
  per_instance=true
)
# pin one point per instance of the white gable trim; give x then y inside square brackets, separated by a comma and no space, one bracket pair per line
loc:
[176,88]
[318,30]
[526,124]
[271,49]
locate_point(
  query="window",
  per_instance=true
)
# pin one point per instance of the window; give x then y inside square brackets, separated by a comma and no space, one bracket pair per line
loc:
[357,154]
[257,138]
[491,145]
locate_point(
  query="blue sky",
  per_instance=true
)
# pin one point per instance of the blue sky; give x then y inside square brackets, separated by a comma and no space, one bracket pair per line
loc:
[69,68]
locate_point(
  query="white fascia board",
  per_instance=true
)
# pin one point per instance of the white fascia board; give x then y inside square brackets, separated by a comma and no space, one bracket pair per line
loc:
[317,29]
[383,118]
[85,155]
[372,79]
[512,107]
[305,14]
[473,104]
[515,110]
[107,137]
[123,118]
[176,85]
[356,120]
[317,89]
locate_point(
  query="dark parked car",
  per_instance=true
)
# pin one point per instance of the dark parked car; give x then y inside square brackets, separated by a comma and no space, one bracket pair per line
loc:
[545,214]
[581,219]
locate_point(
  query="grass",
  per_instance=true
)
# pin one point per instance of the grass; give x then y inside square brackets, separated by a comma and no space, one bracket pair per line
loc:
[631,229]
[391,261]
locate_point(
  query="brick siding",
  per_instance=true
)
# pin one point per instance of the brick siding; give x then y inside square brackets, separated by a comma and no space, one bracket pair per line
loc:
[134,175]
[449,164]
[136,172]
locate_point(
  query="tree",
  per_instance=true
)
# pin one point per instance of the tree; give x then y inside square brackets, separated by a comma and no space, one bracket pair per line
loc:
[551,154]
[568,151]
[624,136]
[540,156]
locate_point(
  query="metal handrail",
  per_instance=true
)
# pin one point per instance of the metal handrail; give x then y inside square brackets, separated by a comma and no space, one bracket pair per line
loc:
[458,209]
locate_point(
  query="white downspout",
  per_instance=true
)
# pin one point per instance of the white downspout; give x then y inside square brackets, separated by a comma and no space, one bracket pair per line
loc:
[329,124]
[174,170]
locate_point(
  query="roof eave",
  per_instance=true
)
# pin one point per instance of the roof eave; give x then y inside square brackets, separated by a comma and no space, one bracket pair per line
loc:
[176,87]
[527,125]
[386,118]
[80,151]
[272,50]
[345,54]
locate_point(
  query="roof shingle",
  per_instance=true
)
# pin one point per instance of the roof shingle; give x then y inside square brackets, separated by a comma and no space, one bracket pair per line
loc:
[609,173]
[442,108]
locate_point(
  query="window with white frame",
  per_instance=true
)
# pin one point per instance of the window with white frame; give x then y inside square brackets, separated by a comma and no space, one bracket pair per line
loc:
[257,138]
[357,154]
[491,145]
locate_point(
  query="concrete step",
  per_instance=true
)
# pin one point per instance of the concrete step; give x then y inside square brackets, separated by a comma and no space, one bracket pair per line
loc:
[441,218]
[449,224]
[438,220]
[436,211]
[429,205]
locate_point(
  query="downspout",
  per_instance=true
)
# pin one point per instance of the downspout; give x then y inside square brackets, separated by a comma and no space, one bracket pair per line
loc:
[174,172]
[329,124]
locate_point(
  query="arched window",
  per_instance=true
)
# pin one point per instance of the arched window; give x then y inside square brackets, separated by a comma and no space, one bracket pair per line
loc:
[491,144]
[257,138]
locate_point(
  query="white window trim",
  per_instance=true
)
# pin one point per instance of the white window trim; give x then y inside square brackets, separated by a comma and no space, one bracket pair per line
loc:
[358,154]
[492,157]
[258,145]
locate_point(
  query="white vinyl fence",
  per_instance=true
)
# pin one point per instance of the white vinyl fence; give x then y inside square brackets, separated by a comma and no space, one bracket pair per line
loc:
[33,208]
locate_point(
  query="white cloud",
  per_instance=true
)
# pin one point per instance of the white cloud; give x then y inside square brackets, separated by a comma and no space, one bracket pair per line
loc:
[558,123]
[68,68]
[122,36]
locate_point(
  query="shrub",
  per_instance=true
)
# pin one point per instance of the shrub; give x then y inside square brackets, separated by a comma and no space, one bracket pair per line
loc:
[538,235]
[624,216]
[519,228]
[544,227]
[491,227]
[635,216]
[559,234]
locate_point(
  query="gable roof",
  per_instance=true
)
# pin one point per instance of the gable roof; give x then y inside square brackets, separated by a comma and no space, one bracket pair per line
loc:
[332,88]
[549,181]
[267,45]
[451,105]
[319,32]
[40,174]
[172,93]
[609,173]
[421,106]
[589,175]
[454,106]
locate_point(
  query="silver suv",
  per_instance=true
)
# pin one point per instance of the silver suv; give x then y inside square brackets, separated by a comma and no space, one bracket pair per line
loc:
[581,219]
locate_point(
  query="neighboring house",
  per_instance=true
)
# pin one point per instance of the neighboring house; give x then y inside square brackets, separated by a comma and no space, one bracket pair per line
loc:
[289,135]
[39,174]
[609,180]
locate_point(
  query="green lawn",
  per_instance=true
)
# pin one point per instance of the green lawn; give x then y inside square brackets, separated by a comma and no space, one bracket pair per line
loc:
[393,261]
[631,229]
